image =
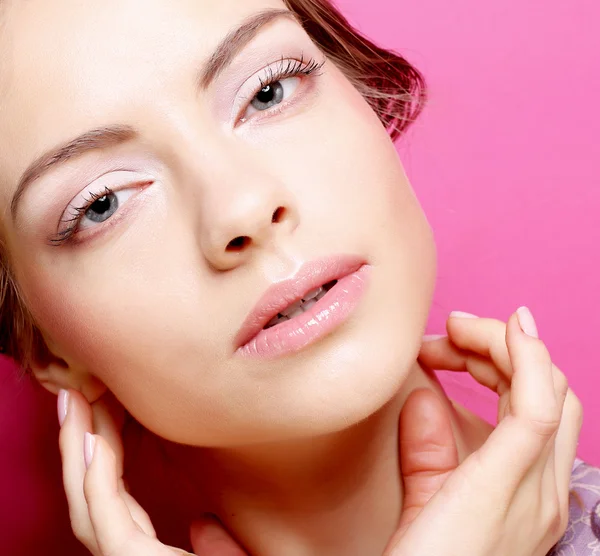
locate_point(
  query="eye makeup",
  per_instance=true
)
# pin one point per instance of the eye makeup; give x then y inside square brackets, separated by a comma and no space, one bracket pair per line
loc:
[274,86]
[102,201]
[264,81]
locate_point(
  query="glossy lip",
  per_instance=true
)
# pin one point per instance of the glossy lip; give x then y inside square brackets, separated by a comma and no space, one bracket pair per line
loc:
[281,295]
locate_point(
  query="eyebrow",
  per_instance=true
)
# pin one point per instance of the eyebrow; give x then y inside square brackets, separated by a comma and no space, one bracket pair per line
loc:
[110,136]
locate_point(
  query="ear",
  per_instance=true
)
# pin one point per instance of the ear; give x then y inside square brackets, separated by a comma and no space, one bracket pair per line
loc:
[55,373]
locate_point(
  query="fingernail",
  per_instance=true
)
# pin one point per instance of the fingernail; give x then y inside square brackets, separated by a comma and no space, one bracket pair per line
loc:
[62,406]
[462,315]
[89,441]
[527,322]
[433,337]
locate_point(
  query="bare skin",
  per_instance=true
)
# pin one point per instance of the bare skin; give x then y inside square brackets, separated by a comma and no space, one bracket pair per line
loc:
[146,303]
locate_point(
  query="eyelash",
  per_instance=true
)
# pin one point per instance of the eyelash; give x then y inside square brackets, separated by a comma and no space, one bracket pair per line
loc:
[78,212]
[286,68]
[290,68]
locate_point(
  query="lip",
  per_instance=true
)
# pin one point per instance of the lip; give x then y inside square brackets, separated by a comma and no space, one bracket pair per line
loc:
[253,340]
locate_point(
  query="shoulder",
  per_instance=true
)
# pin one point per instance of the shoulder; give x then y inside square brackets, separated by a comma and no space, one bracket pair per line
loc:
[582,537]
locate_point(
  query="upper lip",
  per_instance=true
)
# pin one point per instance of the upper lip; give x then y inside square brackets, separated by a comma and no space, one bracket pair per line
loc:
[282,294]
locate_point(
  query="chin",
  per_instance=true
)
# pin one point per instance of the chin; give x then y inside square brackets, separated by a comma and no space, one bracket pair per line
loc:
[344,380]
[358,369]
[376,370]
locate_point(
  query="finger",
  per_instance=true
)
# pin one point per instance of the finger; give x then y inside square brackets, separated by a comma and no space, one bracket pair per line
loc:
[108,418]
[443,355]
[540,403]
[534,398]
[78,421]
[483,336]
[566,445]
[139,515]
[113,524]
[209,538]
[517,443]
[549,478]
[428,452]
[487,338]
[478,338]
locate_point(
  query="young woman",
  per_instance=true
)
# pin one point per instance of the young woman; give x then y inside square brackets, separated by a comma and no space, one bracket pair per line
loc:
[206,219]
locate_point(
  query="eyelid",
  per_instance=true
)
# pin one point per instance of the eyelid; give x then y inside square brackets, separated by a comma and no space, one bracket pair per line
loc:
[254,83]
[116,180]
[67,229]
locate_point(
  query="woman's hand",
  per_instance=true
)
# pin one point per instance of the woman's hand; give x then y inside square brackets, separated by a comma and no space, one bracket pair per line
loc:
[104,516]
[510,496]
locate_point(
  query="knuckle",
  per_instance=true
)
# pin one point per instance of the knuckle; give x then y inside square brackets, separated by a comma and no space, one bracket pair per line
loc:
[498,330]
[555,520]
[497,324]
[555,525]
[575,406]
[561,382]
[62,442]
[564,522]
[79,525]
[573,409]
[125,547]
[89,488]
[543,427]
[82,530]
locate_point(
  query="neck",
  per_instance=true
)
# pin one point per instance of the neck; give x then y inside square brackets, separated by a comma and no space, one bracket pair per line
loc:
[335,494]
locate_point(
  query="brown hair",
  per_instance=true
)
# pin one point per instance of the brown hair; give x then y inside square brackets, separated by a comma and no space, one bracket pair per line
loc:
[394,89]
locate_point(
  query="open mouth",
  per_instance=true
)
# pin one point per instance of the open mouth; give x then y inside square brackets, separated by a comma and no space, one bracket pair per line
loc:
[309,300]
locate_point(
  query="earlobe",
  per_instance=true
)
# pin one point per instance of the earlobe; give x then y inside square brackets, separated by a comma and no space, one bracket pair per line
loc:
[55,374]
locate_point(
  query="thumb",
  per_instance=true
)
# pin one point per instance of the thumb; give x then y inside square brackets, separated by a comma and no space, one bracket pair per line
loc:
[428,452]
[210,538]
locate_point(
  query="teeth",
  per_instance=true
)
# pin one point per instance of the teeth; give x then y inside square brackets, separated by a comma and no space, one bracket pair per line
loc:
[317,293]
[313,293]
[272,322]
[289,310]
[321,295]
[311,299]
[295,313]
[308,304]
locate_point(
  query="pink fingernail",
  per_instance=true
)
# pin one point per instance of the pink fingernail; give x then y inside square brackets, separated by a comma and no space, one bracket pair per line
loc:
[433,337]
[62,406]
[527,322]
[89,441]
[462,315]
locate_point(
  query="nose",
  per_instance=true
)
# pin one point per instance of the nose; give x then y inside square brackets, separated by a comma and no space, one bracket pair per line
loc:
[244,220]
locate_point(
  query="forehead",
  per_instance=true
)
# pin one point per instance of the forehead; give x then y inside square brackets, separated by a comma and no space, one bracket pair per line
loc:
[65,62]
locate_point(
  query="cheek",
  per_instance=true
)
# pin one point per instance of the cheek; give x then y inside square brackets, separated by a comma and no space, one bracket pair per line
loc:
[350,184]
[140,330]
[355,197]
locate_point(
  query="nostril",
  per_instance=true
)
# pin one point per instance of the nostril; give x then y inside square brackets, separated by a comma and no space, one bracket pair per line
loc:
[278,215]
[242,242]
[238,243]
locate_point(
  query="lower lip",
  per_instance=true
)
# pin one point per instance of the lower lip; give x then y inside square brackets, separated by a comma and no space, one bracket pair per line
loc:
[336,306]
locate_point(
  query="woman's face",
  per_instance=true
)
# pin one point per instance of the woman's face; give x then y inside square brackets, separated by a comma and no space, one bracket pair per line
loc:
[126,243]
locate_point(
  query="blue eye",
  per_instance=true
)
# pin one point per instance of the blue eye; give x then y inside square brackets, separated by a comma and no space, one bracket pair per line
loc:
[277,83]
[272,94]
[103,208]
[100,209]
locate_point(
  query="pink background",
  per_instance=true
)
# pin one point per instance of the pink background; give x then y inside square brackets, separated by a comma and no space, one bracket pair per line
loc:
[504,161]
[505,164]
